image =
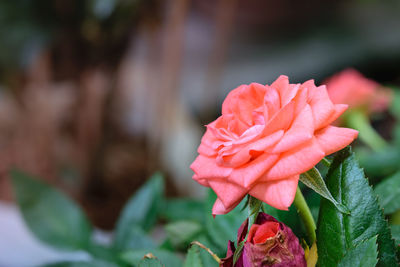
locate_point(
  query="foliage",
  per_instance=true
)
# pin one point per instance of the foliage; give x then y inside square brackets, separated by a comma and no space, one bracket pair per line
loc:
[388,192]
[193,258]
[59,222]
[337,232]
[51,216]
[140,212]
[364,254]
[359,237]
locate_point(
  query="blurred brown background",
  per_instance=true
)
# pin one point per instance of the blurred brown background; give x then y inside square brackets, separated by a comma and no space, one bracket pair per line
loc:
[96,95]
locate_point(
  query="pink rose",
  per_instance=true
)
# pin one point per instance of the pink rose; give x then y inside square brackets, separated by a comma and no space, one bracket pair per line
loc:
[269,243]
[352,88]
[266,137]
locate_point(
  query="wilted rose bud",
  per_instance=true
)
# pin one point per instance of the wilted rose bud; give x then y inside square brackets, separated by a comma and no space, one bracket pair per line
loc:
[269,243]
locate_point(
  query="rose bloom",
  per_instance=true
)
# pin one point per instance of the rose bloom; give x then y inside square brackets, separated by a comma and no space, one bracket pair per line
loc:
[352,88]
[266,137]
[269,243]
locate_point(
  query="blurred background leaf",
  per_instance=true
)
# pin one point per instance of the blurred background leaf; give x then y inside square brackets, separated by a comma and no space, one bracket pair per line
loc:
[396,234]
[93,263]
[388,192]
[141,211]
[223,228]
[182,209]
[166,258]
[193,258]
[181,233]
[150,262]
[50,215]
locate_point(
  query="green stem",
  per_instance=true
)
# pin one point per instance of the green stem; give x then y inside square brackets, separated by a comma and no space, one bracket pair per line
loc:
[359,121]
[254,208]
[305,214]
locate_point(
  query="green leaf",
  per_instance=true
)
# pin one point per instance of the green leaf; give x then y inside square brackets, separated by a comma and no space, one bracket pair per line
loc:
[193,258]
[150,262]
[167,258]
[223,228]
[181,233]
[92,263]
[183,209]
[141,211]
[135,238]
[388,192]
[338,232]
[49,214]
[396,234]
[314,180]
[364,254]
[206,258]
[101,252]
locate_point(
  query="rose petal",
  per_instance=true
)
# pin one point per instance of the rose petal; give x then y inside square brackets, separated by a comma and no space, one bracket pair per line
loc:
[338,110]
[300,99]
[301,131]
[202,181]
[229,105]
[286,91]
[250,134]
[252,232]
[263,232]
[256,93]
[243,100]
[207,168]
[205,147]
[382,99]
[237,126]
[265,142]
[272,103]
[352,88]
[206,150]
[244,155]
[278,194]
[296,161]
[227,192]
[332,139]
[219,208]
[219,128]
[281,120]
[248,174]
[250,100]
[321,104]
[209,137]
